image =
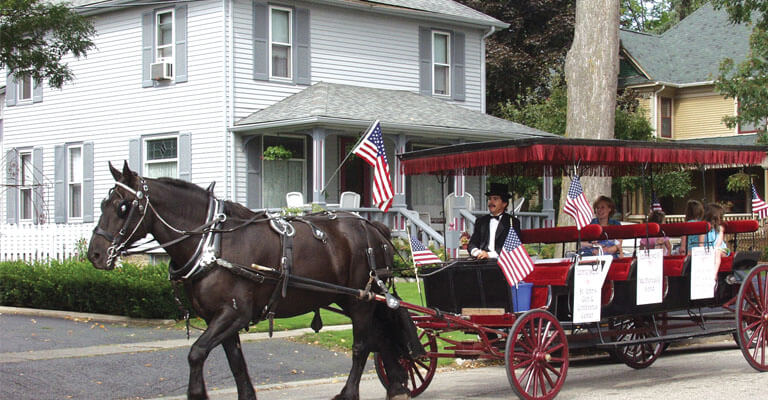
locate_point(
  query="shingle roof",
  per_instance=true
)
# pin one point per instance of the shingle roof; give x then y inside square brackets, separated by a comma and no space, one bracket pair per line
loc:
[743,140]
[402,110]
[439,9]
[690,51]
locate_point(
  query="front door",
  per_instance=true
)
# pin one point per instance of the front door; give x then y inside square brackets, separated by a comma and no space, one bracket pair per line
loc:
[355,174]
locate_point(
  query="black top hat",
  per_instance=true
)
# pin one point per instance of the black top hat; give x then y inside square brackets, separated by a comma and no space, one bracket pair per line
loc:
[499,189]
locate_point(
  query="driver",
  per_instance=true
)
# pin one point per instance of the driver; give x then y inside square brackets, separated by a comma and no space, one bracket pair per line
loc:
[491,230]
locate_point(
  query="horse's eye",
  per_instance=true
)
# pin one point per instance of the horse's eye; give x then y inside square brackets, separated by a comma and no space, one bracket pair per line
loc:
[122,210]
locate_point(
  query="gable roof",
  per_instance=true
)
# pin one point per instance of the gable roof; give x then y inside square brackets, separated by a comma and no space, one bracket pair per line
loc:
[689,52]
[447,10]
[354,107]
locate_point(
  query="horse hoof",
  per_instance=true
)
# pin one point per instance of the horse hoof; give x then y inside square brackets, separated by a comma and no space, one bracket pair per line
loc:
[401,396]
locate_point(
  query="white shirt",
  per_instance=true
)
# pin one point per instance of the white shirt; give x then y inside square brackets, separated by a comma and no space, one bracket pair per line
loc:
[493,225]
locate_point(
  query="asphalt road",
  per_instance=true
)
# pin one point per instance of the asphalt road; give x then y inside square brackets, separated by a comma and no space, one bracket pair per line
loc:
[51,358]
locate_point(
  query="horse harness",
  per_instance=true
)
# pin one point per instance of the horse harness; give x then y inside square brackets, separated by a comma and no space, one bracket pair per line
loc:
[208,251]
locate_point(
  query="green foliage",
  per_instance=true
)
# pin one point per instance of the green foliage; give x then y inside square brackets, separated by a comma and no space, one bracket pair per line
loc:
[675,184]
[739,182]
[35,35]
[140,292]
[655,16]
[547,114]
[748,80]
[278,152]
[81,246]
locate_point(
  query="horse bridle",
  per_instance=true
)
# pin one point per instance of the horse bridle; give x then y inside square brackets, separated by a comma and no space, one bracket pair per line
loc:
[120,240]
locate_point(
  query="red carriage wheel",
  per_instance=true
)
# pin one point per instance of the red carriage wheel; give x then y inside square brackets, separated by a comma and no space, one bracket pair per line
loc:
[639,355]
[536,356]
[420,371]
[752,318]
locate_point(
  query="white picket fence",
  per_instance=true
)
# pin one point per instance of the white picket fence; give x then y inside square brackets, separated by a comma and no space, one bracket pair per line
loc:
[41,242]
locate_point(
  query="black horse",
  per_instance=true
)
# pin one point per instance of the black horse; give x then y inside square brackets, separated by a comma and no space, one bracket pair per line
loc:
[175,212]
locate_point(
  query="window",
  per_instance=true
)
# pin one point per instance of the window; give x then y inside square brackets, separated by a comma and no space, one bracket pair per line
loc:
[283,175]
[666,117]
[75,182]
[24,88]
[164,37]
[25,186]
[441,63]
[280,39]
[161,157]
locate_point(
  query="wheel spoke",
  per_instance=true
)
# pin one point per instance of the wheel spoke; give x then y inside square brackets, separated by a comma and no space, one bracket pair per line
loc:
[551,350]
[522,363]
[553,370]
[757,338]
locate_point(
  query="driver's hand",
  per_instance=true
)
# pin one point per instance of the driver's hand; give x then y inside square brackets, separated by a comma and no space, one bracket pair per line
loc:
[483,255]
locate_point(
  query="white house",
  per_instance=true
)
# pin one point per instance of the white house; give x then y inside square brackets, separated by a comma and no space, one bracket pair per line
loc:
[198,90]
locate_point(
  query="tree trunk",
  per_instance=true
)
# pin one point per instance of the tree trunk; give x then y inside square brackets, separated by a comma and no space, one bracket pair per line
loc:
[591,71]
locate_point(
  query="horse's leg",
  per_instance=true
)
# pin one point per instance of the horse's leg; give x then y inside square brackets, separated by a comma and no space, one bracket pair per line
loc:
[362,316]
[396,374]
[225,324]
[239,369]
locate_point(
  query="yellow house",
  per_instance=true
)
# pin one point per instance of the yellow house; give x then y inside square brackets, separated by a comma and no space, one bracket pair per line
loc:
[673,74]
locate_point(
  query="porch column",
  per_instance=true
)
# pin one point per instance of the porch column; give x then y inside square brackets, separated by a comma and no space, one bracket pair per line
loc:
[547,205]
[399,183]
[318,165]
[456,224]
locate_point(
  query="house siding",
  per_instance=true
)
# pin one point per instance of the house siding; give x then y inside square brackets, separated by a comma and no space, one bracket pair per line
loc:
[700,116]
[111,114]
[368,49]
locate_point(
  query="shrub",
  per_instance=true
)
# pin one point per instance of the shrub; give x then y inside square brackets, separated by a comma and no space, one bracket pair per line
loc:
[134,291]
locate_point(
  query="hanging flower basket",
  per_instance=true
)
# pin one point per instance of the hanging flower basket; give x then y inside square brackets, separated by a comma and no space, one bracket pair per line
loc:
[278,152]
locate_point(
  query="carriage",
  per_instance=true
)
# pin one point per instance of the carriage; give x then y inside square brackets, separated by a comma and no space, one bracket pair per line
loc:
[587,302]
[335,258]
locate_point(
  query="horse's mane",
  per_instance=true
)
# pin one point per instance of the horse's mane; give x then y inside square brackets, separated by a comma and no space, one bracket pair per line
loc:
[236,209]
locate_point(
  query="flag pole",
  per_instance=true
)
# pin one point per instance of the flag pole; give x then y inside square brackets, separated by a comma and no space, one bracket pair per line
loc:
[368,129]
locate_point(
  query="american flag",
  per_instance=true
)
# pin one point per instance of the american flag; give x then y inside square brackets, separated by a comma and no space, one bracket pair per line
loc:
[421,254]
[371,149]
[655,205]
[514,259]
[758,205]
[577,206]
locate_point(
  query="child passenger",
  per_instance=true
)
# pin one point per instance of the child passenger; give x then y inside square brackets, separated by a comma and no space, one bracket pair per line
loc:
[657,242]
[694,211]
[715,237]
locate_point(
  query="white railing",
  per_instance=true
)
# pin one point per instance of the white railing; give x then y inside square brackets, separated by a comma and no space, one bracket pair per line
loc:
[42,242]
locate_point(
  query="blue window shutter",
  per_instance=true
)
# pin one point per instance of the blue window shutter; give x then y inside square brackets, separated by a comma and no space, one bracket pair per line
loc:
[147,47]
[38,201]
[134,155]
[88,182]
[180,55]
[458,84]
[10,90]
[12,194]
[425,61]
[302,67]
[260,41]
[185,157]
[37,92]
[60,184]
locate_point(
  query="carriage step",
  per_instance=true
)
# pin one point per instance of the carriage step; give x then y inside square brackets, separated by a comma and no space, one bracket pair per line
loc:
[667,338]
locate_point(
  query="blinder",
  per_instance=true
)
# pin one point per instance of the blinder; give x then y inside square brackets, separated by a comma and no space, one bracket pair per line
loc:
[127,209]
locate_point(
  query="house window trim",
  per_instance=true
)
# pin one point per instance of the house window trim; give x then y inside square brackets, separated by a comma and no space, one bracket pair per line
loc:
[28,187]
[662,117]
[172,45]
[70,217]
[290,44]
[144,148]
[449,74]
[19,90]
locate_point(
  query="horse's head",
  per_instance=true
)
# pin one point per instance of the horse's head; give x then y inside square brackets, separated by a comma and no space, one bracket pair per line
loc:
[122,219]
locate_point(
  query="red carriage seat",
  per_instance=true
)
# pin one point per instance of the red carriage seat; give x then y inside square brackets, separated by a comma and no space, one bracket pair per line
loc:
[620,269]
[561,234]
[673,265]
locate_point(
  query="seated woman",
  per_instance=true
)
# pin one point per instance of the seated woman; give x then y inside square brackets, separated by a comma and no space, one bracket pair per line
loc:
[694,211]
[604,209]
[715,238]
[657,242]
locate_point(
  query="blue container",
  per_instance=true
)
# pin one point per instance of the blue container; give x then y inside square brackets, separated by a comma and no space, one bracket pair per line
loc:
[521,296]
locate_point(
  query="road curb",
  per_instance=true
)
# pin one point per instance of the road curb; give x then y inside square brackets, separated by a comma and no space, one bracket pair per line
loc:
[39,312]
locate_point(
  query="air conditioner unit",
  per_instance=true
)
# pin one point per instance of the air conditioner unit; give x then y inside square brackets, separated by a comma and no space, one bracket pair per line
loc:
[161,71]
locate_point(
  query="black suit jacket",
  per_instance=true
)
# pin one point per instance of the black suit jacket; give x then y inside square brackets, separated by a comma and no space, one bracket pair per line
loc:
[481,236]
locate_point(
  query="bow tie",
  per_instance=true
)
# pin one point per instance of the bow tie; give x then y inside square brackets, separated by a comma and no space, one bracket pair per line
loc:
[497,217]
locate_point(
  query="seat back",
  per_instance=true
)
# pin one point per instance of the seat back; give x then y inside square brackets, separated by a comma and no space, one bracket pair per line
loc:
[294,200]
[450,202]
[349,200]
